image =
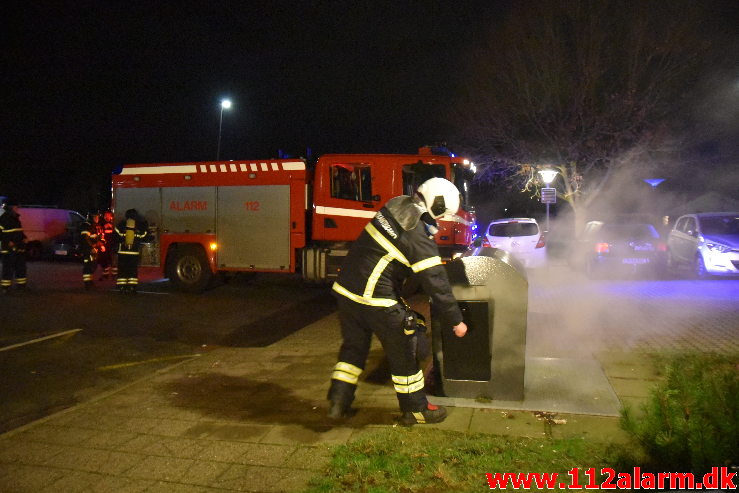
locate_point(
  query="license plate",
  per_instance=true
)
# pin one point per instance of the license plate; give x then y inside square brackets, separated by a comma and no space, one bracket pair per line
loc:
[635,261]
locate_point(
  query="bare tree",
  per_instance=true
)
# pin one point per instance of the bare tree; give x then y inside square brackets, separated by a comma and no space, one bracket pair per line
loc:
[585,86]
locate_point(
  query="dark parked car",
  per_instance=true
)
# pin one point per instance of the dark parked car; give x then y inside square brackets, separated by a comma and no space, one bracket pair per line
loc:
[619,248]
[66,247]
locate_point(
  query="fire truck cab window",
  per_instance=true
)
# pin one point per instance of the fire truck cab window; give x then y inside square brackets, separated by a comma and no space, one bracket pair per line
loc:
[351,182]
[417,173]
[462,178]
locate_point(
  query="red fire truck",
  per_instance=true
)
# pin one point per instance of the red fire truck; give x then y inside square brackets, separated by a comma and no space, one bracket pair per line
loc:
[276,215]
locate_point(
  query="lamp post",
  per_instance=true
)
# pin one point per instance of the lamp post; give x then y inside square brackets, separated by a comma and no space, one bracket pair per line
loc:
[548,194]
[654,183]
[225,104]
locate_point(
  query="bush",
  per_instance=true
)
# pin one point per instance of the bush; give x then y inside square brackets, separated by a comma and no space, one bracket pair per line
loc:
[691,420]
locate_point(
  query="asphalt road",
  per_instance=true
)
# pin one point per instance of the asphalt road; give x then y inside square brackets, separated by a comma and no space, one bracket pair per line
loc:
[100,339]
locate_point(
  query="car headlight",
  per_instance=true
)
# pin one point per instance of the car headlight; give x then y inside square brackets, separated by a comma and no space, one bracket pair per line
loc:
[718,247]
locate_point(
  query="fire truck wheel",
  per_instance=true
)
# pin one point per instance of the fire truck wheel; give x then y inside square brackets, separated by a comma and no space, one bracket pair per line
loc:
[188,269]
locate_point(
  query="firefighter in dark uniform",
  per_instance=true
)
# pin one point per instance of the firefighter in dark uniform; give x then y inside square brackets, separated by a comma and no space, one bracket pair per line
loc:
[12,248]
[130,232]
[396,243]
[105,257]
[89,246]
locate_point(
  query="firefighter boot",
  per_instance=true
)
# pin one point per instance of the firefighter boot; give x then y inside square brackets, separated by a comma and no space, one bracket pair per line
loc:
[432,414]
[340,398]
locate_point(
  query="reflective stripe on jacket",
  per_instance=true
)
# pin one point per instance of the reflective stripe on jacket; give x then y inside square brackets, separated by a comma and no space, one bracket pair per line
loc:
[384,256]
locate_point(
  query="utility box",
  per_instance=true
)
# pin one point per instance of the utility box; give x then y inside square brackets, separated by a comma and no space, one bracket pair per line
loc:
[489,362]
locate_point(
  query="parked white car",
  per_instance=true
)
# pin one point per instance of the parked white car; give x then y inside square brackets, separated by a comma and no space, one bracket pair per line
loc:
[521,237]
[706,243]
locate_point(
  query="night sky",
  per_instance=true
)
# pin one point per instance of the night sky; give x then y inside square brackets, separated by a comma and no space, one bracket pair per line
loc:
[89,86]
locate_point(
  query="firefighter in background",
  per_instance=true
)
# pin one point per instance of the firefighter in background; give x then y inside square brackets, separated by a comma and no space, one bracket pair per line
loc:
[12,248]
[396,243]
[130,232]
[90,246]
[107,239]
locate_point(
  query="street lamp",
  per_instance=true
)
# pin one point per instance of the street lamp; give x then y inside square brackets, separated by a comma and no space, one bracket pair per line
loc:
[548,194]
[547,175]
[225,104]
[653,182]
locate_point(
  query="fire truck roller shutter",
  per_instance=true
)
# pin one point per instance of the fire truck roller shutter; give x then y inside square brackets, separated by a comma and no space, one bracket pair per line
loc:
[253,227]
[145,200]
[189,209]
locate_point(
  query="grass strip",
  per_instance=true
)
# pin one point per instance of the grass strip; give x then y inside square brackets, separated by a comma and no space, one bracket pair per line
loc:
[430,460]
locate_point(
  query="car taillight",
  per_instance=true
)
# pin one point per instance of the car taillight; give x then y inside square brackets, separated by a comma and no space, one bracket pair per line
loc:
[602,247]
[541,243]
[661,247]
[486,243]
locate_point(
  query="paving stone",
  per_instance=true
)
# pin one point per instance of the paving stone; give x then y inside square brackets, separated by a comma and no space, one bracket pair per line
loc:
[629,364]
[180,414]
[459,418]
[171,427]
[170,487]
[258,454]
[95,460]
[598,428]
[78,481]
[635,404]
[55,435]
[19,478]
[204,473]
[510,423]
[228,431]
[160,468]
[294,480]
[28,453]
[253,478]
[111,440]
[294,435]
[312,458]
[181,448]
[632,387]
[100,484]
[126,400]
[140,425]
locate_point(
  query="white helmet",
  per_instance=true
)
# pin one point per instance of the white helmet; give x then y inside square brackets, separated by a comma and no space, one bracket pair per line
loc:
[440,196]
